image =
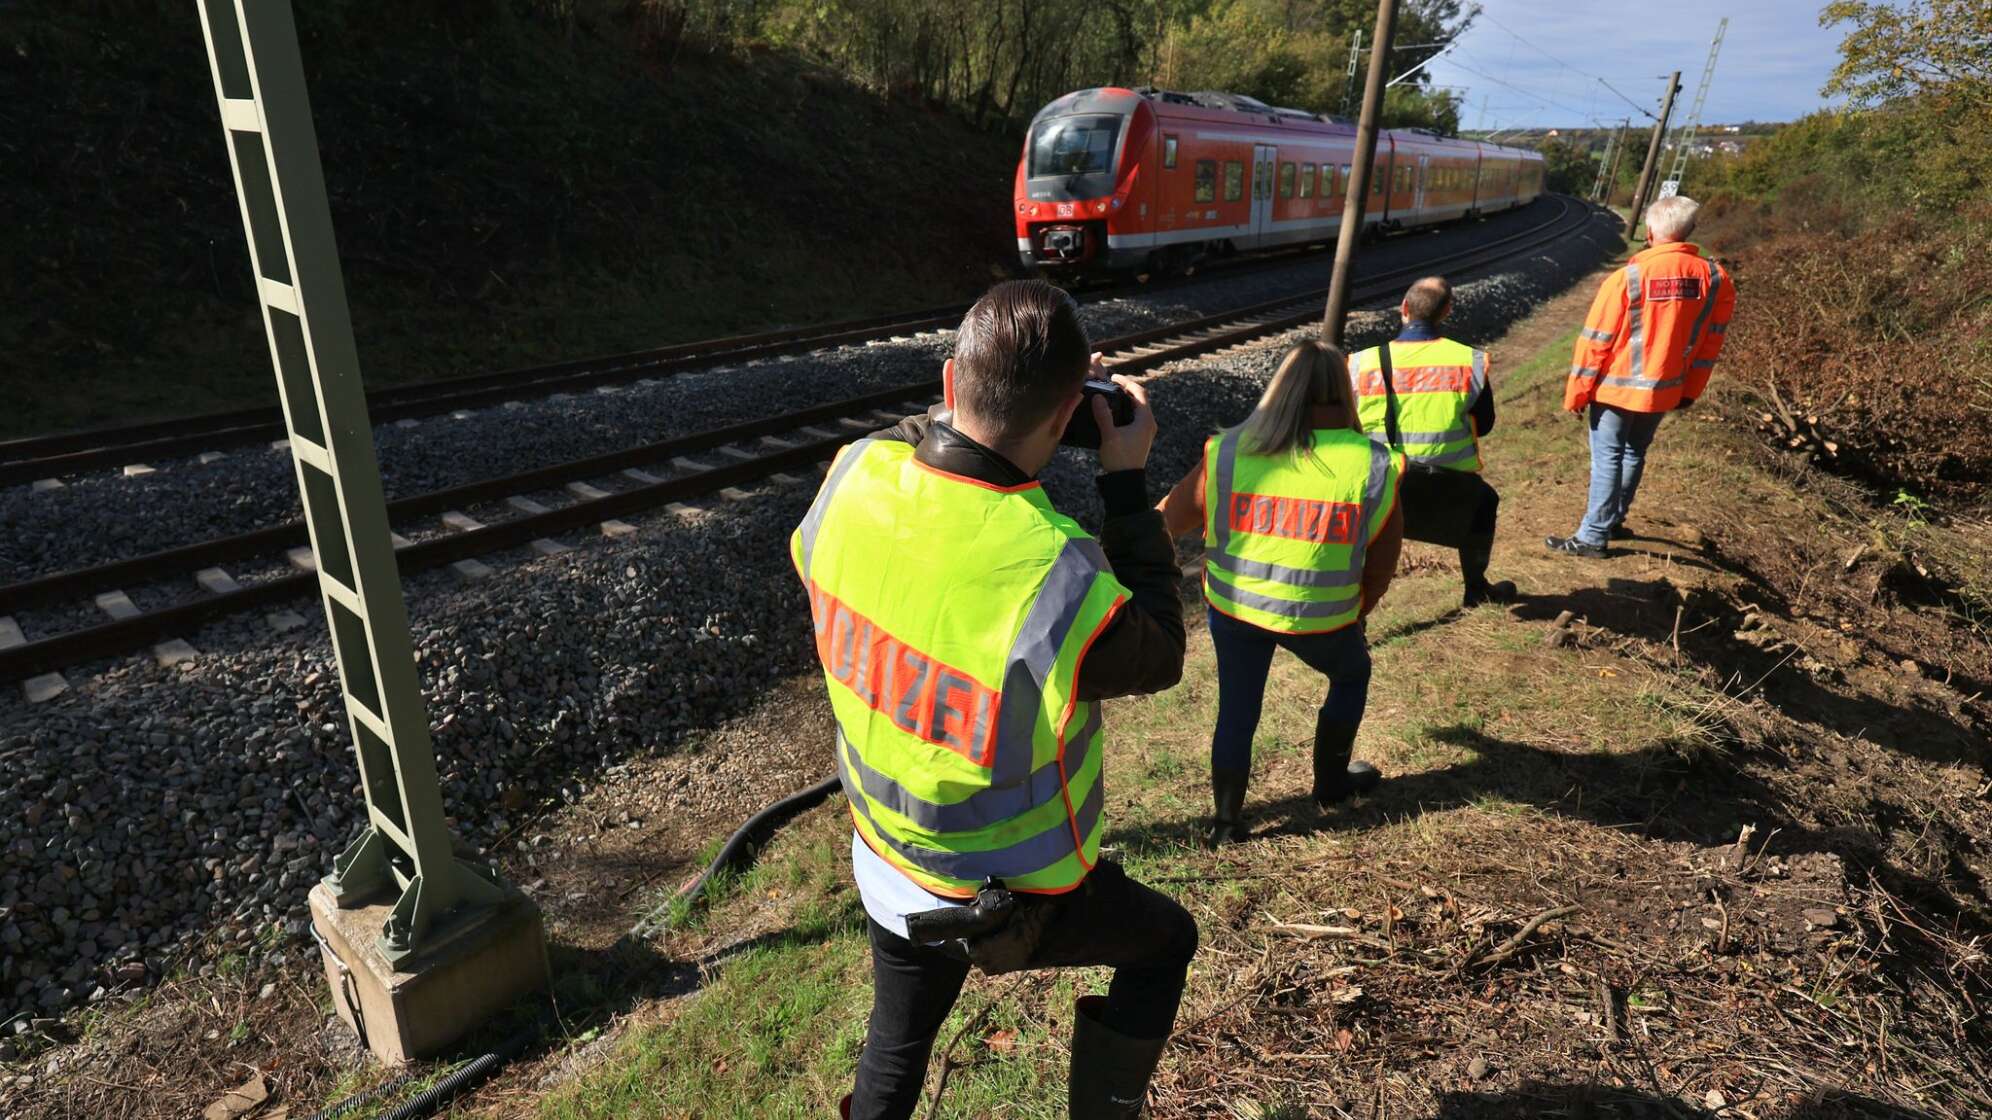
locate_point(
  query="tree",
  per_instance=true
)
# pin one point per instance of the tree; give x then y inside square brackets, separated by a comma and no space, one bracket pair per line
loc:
[1937,47]
[1568,168]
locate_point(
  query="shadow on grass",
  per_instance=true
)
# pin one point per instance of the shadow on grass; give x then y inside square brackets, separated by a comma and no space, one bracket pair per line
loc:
[1673,791]
[1579,1101]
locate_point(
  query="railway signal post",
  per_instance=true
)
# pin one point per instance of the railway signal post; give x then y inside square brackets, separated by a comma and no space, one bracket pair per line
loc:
[1640,193]
[419,945]
[1357,190]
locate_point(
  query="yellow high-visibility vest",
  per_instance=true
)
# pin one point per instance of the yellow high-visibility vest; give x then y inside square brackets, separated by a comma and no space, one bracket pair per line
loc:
[1285,536]
[1436,383]
[951,617]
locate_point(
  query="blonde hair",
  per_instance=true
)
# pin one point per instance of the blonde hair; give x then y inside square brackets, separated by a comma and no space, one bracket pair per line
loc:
[1312,374]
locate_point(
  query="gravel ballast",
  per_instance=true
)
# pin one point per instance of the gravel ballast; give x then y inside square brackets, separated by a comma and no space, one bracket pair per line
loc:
[155,818]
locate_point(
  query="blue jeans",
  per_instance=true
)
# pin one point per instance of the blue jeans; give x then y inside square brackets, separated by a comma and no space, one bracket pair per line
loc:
[1245,655]
[1618,457]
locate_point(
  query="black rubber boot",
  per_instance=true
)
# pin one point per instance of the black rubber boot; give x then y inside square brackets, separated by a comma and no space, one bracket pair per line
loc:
[1337,779]
[1227,794]
[1474,557]
[1110,1071]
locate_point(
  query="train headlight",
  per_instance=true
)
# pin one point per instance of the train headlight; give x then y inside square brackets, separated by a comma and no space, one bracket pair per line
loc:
[1100,207]
[1115,204]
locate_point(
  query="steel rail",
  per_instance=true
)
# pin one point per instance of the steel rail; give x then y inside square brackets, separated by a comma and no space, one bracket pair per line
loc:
[1133,353]
[29,458]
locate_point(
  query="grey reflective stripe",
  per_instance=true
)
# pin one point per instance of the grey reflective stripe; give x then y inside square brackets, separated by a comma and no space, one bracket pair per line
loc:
[1280,573]
[813,521]
[1034,655]
[1708,305]
[1633,311]
[1702,363]
[1584,371]
[1227,465]
[1595,336]
[1479,374]
[1285,608]
[1380,464]
[1440,460]
[979,810]
[1644,382]
[1031,854]
[1450,435]
[1719,328]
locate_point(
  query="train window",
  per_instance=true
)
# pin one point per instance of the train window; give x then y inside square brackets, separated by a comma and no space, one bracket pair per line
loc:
[1307,180]
[1376,182]
[1074,146]
[1234,180]
[1206,181]
[1168,151]
[1327,173]
[1286,180]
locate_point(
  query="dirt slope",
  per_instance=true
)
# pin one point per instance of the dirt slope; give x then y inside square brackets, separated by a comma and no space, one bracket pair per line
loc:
[505,192]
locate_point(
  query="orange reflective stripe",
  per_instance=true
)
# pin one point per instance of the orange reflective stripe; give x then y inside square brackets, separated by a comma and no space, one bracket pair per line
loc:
[1296,519]
[921,694]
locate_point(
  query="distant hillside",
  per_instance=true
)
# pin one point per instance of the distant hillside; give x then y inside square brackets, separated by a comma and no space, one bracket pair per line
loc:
[520,194]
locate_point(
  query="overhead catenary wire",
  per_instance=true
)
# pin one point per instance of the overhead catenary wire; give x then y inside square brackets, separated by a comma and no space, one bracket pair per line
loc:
[1518,89]
[1581,73]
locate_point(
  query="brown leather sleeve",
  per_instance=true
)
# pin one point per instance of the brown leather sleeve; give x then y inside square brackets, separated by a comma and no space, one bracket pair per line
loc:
[1141,648]
[1380,562]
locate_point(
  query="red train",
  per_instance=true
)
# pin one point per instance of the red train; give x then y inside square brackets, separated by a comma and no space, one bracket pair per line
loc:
[1149,180]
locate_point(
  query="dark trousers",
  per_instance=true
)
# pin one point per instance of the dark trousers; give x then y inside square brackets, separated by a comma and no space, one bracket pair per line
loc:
[1141,933]
[1245,656]
[1454,509]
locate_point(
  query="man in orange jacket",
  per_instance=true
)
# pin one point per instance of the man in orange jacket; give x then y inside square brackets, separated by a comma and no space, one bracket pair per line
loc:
[1647,348]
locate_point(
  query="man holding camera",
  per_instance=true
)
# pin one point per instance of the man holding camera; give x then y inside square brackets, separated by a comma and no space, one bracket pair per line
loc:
[1430,396]
[968,633]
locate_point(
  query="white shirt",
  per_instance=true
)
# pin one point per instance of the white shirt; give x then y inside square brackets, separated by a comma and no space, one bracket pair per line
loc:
[887,893]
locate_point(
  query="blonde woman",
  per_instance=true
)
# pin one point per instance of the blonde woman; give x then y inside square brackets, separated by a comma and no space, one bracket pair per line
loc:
[1301,537]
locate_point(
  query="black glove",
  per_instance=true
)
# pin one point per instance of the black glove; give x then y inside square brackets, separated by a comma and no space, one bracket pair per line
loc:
[1686,402]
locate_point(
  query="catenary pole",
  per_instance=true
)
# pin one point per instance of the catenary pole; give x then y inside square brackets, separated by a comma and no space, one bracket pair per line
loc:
[1640,193]
[1357,189]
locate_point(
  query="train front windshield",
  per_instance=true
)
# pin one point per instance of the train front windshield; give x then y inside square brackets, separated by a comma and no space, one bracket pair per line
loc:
[1074,146]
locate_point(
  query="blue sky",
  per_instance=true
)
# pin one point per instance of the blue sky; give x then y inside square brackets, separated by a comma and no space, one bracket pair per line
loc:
[1774,59]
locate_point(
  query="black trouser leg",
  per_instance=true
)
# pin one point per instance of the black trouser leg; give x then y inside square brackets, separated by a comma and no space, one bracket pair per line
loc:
[913,989]
[1145,936]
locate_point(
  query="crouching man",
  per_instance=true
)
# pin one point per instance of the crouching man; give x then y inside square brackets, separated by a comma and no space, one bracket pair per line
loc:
[968,632]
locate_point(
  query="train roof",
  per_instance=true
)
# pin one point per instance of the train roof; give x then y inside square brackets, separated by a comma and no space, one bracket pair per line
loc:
[1219,105]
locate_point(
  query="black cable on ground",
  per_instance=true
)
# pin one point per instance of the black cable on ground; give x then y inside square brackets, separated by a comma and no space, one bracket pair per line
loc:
[465,1077]
[741,847]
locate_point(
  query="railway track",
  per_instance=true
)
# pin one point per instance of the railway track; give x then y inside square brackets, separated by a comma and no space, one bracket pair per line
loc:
[787,447]
[35,458]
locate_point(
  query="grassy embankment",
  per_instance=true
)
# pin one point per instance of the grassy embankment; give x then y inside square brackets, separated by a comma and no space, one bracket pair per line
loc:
[1819,965]
[506,191]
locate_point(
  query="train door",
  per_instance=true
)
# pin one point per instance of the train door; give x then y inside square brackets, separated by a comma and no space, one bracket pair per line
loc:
[1264,164]
[1418,188]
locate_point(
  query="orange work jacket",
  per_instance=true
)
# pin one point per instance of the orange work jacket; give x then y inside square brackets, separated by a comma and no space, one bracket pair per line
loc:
[1654,332]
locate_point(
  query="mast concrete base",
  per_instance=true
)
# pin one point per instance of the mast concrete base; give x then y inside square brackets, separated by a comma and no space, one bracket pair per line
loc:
[471,969]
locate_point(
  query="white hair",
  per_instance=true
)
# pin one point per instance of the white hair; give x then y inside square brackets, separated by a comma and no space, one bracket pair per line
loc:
[1673,218]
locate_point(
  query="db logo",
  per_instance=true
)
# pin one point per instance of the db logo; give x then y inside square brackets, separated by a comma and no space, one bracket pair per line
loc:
[1064,209]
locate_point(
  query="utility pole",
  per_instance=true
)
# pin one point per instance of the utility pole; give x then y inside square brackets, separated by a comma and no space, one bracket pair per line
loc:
[1359,173]
[1685,138]
[1618,157]
[1614,147]
[418,945]
[1604,161]
[1639,193]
